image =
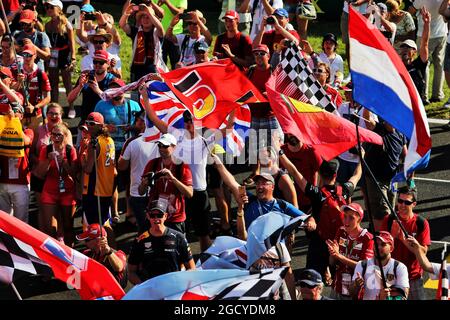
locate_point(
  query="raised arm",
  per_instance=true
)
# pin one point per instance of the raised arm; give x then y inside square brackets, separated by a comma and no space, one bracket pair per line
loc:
[151,114]
[423,51]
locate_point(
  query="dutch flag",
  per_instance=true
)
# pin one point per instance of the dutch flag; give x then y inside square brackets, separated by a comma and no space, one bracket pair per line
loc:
[382,84]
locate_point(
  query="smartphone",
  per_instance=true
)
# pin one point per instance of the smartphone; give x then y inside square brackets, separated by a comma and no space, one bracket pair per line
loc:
[91,77]
[242,190]
[90,16]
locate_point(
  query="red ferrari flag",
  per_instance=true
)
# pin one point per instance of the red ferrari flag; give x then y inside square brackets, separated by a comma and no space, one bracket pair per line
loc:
[328,133]
[23,248]
[212,90]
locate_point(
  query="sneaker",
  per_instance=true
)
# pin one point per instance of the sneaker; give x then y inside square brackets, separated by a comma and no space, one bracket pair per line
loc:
[432,100]
[72,114]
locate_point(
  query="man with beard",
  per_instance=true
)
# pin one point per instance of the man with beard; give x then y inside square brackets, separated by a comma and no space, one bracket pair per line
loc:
[91,84]
[417,67]
[30,36]
[159,250]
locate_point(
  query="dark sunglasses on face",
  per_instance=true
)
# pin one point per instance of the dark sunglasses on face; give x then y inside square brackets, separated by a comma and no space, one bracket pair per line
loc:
[26,55]
[406,202]
[98,41]
[259,54]
[98,62]
[91,122]
[156,215]
[319,71]
[57,135]
[23,24]
[305,285]
[160,145]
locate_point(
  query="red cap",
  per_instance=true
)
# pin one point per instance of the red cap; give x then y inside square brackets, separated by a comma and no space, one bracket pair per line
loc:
[6,71]
[231,14]
[386,238]
[261,47]
[29,48]
[101,55]
[97,117]
[354,207]
[93,231]
[119,82]
[27,16]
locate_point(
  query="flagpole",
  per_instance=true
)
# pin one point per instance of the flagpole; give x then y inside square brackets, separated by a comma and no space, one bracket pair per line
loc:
[15,291]
[369,211]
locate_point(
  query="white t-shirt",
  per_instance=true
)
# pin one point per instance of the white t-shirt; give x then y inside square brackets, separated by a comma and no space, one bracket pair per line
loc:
[87,61]
[343,111]
[336,65]
[188,56]
[260,12]
[139,153]
[437,270]
[194,153]
[372,277]
[438,27]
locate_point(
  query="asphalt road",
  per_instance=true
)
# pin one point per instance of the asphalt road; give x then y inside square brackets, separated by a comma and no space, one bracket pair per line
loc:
[433,204]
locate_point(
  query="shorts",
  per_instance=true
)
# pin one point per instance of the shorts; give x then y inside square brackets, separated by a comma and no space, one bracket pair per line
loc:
[378,206]
[65,199]
[198,209]
[213,177]
[344,27]
[36,184]
[447,58]
[90,208]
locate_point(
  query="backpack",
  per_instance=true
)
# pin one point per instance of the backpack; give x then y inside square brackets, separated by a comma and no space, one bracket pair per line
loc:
[331,218]
[420,223]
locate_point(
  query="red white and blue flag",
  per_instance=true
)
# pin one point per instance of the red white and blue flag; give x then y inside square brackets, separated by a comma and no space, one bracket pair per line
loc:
[170,109]
[382,84]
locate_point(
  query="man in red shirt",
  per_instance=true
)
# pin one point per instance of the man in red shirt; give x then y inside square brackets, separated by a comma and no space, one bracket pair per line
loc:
[15,176]
[170,181]
[35,85]
[233,44]
[307,161]
[417,227]
[280,21]
[351,244]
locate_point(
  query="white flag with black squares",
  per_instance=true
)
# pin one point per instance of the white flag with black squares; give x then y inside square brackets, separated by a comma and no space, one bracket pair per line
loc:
[18,259]
[263,285]
[295,79]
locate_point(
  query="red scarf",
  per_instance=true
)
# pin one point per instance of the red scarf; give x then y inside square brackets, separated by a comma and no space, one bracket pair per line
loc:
[143,50]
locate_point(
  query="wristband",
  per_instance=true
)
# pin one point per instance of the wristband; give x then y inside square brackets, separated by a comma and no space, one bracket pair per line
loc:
[281,152]
[240,215]
[110,252]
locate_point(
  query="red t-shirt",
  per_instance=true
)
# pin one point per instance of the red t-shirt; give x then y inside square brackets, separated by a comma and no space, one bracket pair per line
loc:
[355,249]
[335,96]
[402,253]
[35,89]
[240,45]
[307,161]
[16,167]
[166,189]
[51,184]
[261,110]
[11,5]
[273,39]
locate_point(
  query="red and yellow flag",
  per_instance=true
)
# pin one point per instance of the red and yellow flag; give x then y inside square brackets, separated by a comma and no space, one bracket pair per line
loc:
[328,133]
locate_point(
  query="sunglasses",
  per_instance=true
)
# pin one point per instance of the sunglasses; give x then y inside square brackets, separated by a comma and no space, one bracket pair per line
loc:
[23,24]
[259,54]
[156,215]
[26,55]
[91,122]
[192,23]
[160,145]
[406,202]
[305,285]
[319,71]
[98,62]
[57,135]
[98,41]
[48,6]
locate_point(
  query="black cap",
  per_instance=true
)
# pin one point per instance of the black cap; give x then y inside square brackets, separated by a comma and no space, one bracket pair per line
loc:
[187,116]
[311,277]
[201,47]
[329,168]
[157,205]
[329,36]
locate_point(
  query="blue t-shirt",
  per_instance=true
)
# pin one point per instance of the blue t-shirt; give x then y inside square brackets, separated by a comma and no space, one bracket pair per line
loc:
[118,115]
[256,208]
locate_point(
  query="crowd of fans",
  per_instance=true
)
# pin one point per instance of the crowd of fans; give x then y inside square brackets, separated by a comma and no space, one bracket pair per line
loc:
[110,155]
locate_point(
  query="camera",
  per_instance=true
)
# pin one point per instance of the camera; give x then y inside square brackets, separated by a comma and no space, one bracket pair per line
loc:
[90,16]
[91,77]
[184,16]
[270,20]
[152,177]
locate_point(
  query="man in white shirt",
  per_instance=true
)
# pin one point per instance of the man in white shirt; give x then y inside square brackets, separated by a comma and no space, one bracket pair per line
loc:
[367,273]
[436,44]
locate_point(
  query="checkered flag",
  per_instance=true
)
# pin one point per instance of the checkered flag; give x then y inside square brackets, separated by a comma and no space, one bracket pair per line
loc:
[442,291]
[295,79]
[18,259]
[260,286]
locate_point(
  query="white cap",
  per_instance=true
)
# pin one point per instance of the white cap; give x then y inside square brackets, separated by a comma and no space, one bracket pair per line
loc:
[56,3]
[167,139]
[409,43]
